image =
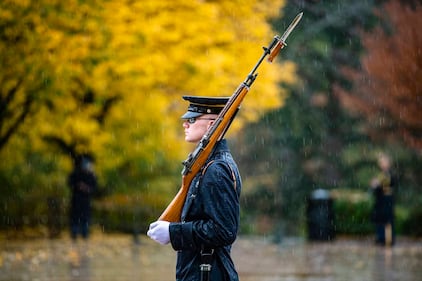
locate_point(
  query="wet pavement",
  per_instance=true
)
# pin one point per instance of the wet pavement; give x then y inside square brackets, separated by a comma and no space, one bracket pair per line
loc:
[118,258]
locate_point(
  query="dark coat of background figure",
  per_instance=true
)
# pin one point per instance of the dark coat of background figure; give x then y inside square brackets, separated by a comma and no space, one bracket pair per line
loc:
[83,183]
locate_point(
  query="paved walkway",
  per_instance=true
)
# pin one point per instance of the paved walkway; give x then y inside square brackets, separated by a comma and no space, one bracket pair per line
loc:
[118,258]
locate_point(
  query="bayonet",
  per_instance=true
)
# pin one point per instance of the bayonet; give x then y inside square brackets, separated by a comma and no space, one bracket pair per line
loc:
[280,42]
[291,27]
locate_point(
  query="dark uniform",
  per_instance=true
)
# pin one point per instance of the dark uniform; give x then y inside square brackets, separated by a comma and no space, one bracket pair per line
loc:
[210,215]
[210,219]
[83,184]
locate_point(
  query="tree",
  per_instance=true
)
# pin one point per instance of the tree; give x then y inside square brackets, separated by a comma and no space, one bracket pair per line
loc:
[106,78]
[96,60]
[386,89]
[314,142]
[25,70]
[305,145]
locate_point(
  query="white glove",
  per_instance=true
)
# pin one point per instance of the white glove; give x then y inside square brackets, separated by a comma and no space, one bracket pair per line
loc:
[159,231]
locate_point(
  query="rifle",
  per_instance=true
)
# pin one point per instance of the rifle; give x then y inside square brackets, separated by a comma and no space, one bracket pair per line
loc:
[197,158]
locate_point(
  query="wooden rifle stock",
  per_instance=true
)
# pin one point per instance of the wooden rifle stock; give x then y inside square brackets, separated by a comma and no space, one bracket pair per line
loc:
[174,209]
[197,158]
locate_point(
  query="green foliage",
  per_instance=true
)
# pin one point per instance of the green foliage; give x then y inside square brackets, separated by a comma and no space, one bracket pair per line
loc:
[312,142]
[353,211]
[412,222]
[352,215]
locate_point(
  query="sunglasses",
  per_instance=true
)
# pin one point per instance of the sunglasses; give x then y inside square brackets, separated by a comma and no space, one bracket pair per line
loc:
[193,119]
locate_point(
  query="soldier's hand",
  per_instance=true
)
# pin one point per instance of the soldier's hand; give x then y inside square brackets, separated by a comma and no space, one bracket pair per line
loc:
[159,232]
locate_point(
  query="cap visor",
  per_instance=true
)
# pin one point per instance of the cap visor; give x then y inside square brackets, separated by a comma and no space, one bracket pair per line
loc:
[191,114]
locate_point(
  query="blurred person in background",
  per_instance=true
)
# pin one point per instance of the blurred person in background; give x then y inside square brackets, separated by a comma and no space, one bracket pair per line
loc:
[83,183]
[383,186]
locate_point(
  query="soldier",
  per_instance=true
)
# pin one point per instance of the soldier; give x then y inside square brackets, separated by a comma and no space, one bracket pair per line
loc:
[210,215]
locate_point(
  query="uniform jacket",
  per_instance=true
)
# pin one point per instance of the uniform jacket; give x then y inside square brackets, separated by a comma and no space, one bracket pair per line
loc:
[210,219]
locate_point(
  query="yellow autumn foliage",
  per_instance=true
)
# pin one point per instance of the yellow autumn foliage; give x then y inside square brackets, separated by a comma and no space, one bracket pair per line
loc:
[143,56]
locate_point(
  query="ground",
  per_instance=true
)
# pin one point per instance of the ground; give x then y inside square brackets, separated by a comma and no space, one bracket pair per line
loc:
[122,258]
